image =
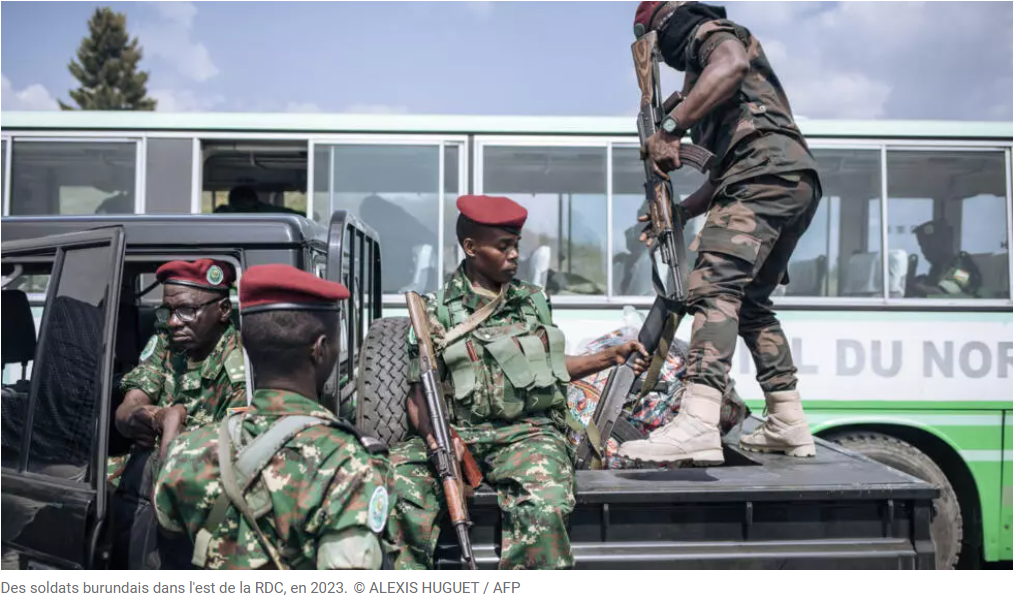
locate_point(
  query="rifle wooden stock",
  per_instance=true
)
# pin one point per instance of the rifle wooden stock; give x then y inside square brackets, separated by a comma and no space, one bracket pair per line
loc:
[441,451]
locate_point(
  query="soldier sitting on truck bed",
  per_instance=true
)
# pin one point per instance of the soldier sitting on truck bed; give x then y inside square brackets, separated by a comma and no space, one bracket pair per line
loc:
[190,373]
[508,372]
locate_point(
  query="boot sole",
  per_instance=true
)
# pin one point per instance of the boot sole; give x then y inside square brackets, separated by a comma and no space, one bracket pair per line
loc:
[710,458]
[804,451]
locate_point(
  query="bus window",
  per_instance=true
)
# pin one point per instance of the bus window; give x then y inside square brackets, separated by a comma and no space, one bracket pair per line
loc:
[839,255]
[3,167]
[947,222]
[451,191]
[72,177]
[254,176]
[168,175]
[563,248]
[631,265]
[395,190]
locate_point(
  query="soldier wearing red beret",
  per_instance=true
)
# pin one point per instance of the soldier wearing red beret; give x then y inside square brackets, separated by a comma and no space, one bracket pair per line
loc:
[761,195]
[504,359]
[189,374]
[318,496]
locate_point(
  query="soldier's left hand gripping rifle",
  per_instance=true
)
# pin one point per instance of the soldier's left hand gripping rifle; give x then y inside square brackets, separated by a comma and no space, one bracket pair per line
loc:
[442,453]
[665,228]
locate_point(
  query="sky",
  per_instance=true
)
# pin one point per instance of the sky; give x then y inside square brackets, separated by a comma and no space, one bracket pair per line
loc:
[861,60]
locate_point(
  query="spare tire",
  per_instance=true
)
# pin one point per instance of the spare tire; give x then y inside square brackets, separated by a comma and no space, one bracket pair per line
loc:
[382,386]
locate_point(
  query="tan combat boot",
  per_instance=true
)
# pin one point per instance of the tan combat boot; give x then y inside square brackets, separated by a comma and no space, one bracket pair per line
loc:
[692,436]
[785,429]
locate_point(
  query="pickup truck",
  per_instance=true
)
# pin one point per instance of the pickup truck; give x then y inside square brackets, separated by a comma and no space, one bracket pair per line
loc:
[838,510]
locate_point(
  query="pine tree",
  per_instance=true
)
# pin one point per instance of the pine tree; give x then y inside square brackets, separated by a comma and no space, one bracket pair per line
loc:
[106,66]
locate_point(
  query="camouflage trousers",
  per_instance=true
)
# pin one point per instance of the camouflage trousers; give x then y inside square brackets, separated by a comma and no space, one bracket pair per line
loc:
[743,250]
[528,463]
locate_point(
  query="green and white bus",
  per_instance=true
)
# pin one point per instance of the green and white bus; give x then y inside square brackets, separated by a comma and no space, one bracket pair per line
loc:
[921,383]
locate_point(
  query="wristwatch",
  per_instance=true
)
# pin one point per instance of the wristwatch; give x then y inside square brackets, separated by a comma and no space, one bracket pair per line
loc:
[670,125]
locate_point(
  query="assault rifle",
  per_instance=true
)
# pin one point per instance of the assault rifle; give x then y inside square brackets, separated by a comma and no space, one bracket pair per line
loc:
[666,229]
[441,444]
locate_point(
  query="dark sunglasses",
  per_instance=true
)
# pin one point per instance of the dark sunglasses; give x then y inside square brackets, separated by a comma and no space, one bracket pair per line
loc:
[187,314]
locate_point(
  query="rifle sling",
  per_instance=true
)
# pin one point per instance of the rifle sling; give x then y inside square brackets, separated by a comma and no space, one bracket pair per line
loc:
[476,318]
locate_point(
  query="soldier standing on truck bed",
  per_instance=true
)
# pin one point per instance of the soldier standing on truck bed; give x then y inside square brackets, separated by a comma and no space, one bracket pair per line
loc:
[505,372]
[284,484]
[761,196]
[189,374]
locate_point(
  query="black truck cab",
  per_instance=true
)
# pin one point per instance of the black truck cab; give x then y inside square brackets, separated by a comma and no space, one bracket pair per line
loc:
[79,295]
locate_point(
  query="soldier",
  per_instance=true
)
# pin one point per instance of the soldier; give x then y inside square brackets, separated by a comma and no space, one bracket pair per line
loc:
[189,374]
[951,275]
[284,484]
[508,373]
[761,195]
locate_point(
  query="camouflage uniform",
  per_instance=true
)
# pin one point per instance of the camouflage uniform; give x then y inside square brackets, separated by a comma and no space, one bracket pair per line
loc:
[958,277]
[512,416]
[206,389]
[767,191]
[321,491]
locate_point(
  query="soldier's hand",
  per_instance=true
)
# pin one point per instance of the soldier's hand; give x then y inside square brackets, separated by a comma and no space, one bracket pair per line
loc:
[645,234]
[662,150]
[632,352]
[143,426]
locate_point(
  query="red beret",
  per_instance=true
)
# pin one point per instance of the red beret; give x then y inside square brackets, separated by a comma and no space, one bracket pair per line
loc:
[205,274]
[645,14]
[283,287]
[493,211]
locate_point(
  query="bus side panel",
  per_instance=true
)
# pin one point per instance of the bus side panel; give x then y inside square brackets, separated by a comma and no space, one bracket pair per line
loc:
[1006,530]
[975,436]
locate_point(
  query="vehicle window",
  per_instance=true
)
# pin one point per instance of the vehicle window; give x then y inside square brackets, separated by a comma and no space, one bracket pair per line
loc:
[631,264]
[72,177]
[451,191]
[395,190]
[563,248]
[947,223]
[3,166]
[168,175]
[69,367]
[839,254]
[22,312]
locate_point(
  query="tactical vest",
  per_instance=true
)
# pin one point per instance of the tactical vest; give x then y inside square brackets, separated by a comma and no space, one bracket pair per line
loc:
[530,353]
[241,459]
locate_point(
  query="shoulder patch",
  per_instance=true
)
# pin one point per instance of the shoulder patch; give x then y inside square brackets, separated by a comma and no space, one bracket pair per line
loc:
[149,348]
[379,506]
[235,367]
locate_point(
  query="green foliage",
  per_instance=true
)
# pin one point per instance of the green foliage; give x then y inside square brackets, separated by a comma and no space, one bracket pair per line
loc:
[106,67]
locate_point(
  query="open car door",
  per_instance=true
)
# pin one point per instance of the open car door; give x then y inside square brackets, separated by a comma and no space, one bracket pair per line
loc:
[60,297]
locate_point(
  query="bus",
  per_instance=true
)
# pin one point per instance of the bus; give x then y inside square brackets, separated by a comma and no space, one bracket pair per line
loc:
[914,376]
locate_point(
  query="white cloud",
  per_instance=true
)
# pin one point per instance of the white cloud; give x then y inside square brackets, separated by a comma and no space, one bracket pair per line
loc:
[302,107]
[376,109]
[33,97]
[483,10]
[185,101]
[171,39]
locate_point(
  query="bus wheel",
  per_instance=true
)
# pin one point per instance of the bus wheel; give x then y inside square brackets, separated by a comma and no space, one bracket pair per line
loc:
[947,525]
[382,387]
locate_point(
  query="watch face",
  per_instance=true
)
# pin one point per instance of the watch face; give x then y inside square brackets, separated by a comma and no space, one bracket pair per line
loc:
[668,125]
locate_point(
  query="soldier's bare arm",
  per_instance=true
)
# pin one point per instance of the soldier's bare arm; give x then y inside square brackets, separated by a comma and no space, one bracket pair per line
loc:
[582,366]
[727,66]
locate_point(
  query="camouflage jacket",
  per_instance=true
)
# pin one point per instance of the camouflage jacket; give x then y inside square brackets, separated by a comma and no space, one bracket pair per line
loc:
[754,132]
[958,277]
[322,486]
[206,389]
[512,366]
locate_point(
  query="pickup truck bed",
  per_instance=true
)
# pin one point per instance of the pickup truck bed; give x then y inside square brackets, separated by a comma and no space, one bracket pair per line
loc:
[838,510]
